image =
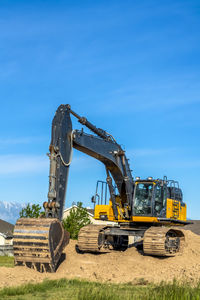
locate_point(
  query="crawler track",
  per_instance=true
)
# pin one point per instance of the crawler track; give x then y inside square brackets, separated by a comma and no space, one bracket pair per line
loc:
[163,241]
[91,239]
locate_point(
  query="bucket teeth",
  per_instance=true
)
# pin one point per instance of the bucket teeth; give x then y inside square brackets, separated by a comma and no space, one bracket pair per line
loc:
[38,243]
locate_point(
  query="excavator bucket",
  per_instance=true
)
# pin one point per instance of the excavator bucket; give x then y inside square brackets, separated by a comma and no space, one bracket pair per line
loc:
[38,243]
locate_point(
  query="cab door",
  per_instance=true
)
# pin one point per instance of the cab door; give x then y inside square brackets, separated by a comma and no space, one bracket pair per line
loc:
[159,200]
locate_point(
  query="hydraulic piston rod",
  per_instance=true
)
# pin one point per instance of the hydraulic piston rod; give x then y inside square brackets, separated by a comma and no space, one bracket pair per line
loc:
[100,132]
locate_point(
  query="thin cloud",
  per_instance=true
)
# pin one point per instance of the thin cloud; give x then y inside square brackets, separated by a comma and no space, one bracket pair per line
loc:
[22,164]
[84,162]
[20,140]
[139,96]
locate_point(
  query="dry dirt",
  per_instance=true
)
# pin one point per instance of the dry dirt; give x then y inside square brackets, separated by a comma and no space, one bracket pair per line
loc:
[128,266]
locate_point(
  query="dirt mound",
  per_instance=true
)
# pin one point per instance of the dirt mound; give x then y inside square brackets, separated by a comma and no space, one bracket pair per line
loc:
[129,266]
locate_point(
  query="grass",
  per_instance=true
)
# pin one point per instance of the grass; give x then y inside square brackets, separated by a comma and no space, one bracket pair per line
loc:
[84,290]
[7,261]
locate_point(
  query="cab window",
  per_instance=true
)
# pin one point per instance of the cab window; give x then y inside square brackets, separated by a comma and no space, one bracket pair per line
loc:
[159,201]
[143,199]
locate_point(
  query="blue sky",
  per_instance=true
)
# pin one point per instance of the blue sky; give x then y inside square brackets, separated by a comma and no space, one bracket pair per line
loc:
[130,67]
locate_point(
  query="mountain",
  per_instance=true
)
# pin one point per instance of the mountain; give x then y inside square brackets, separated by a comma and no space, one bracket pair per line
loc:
[9,211]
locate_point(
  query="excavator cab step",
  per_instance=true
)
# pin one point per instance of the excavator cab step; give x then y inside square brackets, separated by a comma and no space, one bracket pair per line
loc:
[38,243]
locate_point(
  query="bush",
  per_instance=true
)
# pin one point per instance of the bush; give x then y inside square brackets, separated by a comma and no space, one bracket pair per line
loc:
[78,217]
[31,211]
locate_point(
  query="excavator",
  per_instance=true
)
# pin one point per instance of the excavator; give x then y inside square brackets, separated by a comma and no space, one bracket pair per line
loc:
[148,211]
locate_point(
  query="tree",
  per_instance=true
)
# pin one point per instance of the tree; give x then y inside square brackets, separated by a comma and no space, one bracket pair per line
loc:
[78,217]
[30,211]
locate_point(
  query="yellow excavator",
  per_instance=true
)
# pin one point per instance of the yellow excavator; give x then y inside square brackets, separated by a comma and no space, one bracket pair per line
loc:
[148,211]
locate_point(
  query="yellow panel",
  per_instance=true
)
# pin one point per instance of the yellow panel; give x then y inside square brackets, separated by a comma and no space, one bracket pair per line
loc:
[104,210]
[169,209]
[179,214]
[183,211]
[144,219]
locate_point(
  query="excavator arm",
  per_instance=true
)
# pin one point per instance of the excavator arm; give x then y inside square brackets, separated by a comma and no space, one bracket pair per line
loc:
[101,146]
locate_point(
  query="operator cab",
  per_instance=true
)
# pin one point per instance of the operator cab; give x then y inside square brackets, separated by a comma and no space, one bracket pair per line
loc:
[150,196]
[158,198]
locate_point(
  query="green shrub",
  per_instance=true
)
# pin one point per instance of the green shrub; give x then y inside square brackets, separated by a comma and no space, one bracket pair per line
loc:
[78,217]
[30,211]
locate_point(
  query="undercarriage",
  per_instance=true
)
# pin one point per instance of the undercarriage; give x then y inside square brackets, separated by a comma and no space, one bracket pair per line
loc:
[156,240]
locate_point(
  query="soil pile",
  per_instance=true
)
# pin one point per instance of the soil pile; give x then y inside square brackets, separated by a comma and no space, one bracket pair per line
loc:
[128,266]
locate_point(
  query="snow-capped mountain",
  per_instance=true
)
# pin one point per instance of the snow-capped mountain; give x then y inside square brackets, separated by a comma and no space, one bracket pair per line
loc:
[9,211]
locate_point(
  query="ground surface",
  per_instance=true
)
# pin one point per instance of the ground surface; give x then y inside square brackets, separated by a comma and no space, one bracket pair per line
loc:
[128,266]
